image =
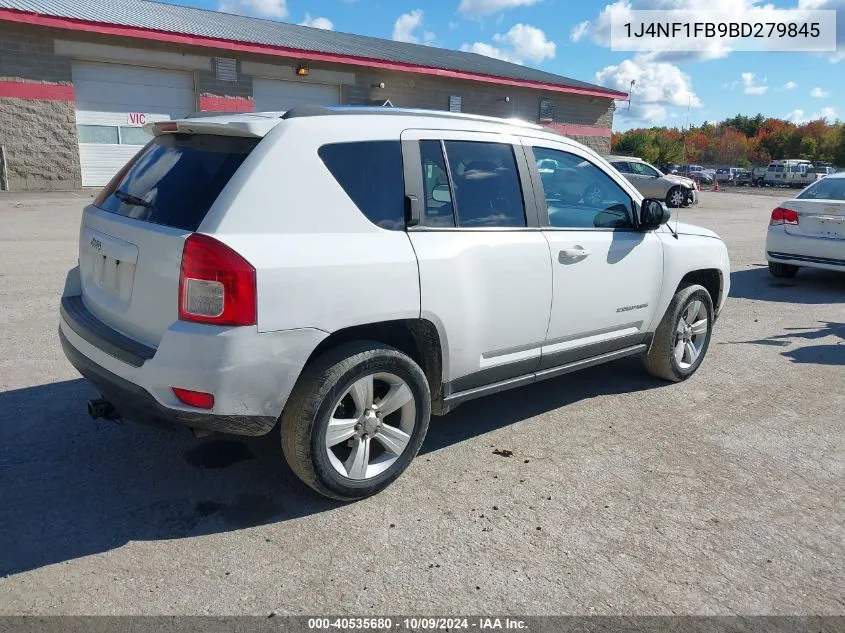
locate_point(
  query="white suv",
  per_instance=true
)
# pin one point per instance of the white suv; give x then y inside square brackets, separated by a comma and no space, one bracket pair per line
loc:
[347,272]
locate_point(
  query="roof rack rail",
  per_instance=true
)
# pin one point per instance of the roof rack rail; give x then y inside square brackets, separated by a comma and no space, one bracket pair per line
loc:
[316,110]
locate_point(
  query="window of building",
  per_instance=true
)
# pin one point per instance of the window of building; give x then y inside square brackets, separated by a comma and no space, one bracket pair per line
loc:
[547,110]
[454,103]
[579,194]
[370,173]
[486,183]
[103,134]
[134,136]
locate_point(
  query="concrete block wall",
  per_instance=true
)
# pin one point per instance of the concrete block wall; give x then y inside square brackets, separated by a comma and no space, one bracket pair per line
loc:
[37,120]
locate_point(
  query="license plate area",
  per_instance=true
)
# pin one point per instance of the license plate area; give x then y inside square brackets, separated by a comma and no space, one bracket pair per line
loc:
[831,226]
[108,263]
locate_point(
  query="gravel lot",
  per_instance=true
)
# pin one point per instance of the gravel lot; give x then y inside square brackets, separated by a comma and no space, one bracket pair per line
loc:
[624,495]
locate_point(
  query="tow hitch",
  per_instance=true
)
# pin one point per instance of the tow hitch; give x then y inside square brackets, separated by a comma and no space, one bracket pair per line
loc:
[102,408]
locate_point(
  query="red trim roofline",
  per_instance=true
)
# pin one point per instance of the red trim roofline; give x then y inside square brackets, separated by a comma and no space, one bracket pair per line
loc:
[72,24]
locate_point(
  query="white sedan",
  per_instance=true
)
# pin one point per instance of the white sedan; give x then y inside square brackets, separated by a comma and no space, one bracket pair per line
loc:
[809,230]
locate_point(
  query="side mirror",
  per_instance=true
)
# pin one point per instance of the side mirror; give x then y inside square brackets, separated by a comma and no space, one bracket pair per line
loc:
[653,213]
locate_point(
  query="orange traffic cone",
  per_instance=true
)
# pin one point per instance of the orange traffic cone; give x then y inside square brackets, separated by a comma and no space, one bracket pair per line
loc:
[697,185]
[715,185]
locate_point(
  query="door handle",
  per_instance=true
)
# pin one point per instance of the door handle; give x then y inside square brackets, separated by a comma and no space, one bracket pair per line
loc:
[576,252]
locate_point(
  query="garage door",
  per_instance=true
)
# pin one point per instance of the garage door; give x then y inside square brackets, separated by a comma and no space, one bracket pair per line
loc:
[272,95]
[113,102]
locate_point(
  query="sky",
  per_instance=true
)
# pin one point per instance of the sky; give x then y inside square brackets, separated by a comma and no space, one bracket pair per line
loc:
[569,37]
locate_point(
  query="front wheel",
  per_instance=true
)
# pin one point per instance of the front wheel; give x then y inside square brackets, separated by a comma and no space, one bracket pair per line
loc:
[355,420]
[683,336]
[675,198]
[782,271]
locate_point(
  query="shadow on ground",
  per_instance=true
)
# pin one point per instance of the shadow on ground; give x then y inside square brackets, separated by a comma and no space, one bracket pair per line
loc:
[72,487]
[809,286]
[827,354]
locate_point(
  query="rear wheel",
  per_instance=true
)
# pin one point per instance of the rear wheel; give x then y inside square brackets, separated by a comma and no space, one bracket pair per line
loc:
[355,420]
[782,271]
[675,197]
[683,336]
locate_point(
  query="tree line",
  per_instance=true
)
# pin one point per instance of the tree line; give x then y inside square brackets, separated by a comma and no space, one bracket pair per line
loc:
[738,141]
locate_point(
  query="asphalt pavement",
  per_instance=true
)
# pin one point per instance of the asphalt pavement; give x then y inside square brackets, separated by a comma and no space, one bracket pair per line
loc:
[624,495]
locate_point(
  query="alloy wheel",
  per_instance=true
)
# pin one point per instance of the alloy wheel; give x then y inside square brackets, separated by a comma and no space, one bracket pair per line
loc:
[691,334]
[677,198]
[371,426]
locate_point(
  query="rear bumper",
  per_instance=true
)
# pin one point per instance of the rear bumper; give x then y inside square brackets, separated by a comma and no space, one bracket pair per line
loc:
[802,250]
[137,404]
[250,374]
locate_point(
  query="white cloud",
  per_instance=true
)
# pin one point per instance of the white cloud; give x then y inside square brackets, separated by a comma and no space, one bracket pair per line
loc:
[818,93]
[579,31]
[453,25]
[730,85]
[317,23]
[796,116]
[659,85]
[479,8]
[490,51]
[750,87]
[406,25]
[790,85]
[262,8]
[522,42]
[528,42]
[829,113]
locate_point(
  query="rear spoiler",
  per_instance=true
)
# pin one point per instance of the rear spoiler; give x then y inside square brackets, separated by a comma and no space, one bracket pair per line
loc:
[256,128]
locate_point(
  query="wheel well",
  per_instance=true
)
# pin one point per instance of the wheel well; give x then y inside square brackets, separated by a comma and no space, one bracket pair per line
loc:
[418,338]
[710,278]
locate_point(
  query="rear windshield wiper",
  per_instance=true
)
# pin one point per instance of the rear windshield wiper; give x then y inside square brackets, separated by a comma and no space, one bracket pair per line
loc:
[128,198]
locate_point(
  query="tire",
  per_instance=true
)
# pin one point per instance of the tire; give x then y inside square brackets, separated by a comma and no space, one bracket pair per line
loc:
[782,271]
[675,197]
[325,391]
[662,360]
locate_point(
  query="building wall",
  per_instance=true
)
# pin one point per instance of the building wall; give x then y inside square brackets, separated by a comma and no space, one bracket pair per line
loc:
[37,120]
[424,91]
[38,126]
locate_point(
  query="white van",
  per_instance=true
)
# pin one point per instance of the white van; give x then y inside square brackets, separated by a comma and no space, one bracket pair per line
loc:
[787,173]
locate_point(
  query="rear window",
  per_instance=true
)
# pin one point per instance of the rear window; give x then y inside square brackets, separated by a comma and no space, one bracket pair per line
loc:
[371,174]
[825,189]
[175,178]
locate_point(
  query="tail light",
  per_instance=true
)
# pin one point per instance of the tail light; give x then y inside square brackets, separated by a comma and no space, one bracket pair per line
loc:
[216,285]
[783,216]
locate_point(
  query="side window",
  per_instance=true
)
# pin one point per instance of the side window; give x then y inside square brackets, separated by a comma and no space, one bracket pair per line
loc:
[486,184]
[579,194]
[621,167]
[644,170]
[370,173]
[439,210]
